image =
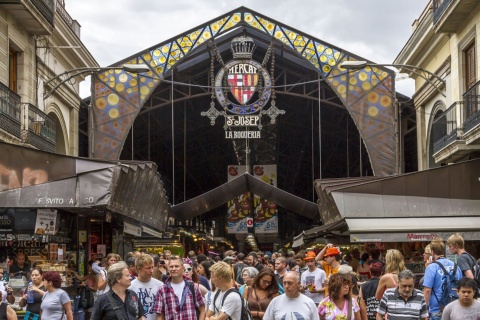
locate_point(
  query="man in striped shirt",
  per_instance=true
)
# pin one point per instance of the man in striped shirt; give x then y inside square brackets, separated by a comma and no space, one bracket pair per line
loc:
[404,302]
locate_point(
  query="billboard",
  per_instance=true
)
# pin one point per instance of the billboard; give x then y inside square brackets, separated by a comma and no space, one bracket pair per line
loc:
[266,218]
[238,208]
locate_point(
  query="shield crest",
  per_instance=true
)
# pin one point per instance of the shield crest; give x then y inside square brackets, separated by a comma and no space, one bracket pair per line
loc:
[242,86]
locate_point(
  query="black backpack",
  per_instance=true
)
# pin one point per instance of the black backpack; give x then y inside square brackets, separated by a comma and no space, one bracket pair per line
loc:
[245,314]
[87,299]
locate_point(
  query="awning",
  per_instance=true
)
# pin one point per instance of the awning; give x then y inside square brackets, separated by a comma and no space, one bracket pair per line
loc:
[243,183]
[31,178]
[405,203]
[332,230]
[298,240]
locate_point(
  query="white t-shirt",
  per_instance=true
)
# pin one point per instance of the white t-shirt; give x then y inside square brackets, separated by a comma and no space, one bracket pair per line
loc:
[283,307]
[103,274]
[178,289]
[317,278]
[4,291]
[232,305]
[147,293]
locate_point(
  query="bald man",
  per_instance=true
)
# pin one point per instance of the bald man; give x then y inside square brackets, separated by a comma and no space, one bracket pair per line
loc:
[292,304]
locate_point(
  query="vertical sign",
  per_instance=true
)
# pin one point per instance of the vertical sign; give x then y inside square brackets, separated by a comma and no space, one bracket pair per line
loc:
[266,219]
[239,207]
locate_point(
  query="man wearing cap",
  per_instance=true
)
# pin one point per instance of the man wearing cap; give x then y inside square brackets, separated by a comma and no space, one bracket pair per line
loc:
[332,258]
[313,279]
[368,302]
[330,265]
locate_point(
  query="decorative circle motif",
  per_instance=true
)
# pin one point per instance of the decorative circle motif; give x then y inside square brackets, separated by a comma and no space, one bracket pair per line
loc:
[113,113]
[113,99]
[248,108]
[373,111]
[101,103]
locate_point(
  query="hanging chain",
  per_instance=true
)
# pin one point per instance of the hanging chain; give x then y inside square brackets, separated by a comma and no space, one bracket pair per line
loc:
[272,76]
[212,76]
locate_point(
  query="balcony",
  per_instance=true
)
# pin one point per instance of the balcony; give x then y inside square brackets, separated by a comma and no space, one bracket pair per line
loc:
[444,128]
[36,16]
[41,129]
[449,15]
[10,113]
[73,24]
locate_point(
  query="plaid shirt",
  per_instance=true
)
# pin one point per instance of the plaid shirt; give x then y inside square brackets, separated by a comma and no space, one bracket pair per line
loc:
[167,302]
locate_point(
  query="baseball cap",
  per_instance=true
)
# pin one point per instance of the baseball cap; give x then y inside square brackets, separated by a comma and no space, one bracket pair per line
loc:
[228,259]
[229,253]
[332,252]
[309,256]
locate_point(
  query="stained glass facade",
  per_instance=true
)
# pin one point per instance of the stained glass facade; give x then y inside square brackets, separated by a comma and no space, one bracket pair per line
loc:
[368,94]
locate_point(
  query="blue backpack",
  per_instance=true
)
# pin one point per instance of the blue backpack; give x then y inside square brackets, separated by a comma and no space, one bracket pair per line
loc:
[448,286]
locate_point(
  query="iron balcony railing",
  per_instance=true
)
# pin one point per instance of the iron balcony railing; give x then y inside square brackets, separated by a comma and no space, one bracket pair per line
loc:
[73,24]
[471,100]
[46,8]
[444,127]
[41,129]
[439,7]
[10,113]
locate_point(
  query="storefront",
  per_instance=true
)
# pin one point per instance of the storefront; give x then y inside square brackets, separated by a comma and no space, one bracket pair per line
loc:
[62,211]
[402,212]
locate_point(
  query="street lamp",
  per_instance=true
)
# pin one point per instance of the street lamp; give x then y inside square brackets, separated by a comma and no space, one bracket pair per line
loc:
[69,74]
[356,65]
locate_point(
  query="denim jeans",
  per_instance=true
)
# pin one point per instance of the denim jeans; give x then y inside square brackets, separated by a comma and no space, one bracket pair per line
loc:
[436,316]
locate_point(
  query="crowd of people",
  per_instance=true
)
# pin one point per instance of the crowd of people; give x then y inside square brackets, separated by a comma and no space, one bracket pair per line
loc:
[303,285]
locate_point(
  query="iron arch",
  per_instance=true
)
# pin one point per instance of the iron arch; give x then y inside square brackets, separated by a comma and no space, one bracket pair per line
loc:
[368,94]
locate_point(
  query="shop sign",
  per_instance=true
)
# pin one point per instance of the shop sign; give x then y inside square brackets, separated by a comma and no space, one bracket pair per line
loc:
[411,237]
[132,229]
[46,221]
[421,236]
[7,220]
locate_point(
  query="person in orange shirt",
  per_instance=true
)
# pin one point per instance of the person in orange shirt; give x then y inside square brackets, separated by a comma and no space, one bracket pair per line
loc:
[329,260]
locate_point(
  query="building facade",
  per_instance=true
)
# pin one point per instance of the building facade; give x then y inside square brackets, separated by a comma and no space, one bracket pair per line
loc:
[445,42]
[40,41]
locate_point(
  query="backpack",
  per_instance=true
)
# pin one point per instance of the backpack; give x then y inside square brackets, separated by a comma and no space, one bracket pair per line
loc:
[87,298]
[245,314]
[192,291]
[448,286]
[475,267]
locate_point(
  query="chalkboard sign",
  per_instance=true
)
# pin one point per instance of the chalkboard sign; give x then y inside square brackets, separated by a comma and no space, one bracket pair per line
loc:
[25,220]
[7,220]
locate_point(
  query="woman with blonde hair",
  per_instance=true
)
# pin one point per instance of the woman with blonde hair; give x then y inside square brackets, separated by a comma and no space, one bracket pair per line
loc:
[102,285]
[394,265]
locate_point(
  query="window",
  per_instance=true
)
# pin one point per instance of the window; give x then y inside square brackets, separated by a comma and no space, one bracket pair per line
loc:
[12,70]
[470,66]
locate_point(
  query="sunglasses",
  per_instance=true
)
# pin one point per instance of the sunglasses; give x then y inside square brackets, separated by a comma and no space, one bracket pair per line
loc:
[188,269]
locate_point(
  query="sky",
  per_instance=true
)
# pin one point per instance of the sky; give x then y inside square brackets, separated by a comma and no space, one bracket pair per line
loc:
[377,30]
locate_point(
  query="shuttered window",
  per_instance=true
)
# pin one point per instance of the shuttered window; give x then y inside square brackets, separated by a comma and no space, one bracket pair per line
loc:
[12,72]
[470,66]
